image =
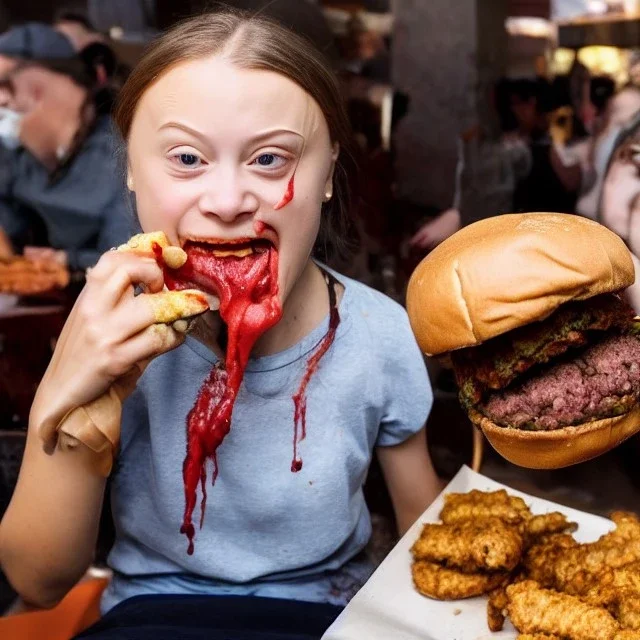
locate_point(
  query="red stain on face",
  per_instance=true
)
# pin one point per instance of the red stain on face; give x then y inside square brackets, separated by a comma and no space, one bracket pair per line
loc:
[288,194]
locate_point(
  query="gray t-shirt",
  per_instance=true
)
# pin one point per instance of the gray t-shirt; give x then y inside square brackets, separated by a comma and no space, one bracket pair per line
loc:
[268,531]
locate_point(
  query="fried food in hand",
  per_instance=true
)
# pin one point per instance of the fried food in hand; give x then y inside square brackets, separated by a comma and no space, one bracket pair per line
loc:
[533,609]
[481,505]
[440,583]
[470,546]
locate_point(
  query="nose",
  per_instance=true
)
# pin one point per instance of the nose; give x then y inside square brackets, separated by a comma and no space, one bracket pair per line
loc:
[226,197]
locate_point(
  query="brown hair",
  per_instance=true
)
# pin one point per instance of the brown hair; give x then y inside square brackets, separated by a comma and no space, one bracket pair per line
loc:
[257,42]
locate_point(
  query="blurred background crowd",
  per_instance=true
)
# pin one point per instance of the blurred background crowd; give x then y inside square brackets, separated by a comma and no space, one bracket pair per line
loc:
[461,110]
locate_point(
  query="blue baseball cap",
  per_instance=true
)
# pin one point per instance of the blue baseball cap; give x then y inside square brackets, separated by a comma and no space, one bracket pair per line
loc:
[36,41]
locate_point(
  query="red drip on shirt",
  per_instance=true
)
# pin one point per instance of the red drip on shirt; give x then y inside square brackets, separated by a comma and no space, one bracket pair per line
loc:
[300,398]
[288,194]
[247,288]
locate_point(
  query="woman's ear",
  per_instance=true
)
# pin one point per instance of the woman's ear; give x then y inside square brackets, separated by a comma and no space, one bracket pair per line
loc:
[328,187]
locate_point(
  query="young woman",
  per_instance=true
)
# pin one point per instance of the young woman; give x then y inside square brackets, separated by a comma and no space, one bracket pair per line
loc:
[236,146]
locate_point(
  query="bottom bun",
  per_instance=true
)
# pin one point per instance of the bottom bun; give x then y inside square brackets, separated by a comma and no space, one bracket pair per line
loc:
[560,447]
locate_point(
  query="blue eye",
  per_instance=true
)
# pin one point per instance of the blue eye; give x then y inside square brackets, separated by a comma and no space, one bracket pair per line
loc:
[270,161]
[188,159]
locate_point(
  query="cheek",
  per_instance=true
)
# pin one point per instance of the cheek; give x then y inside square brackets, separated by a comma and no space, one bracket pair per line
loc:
[161,201]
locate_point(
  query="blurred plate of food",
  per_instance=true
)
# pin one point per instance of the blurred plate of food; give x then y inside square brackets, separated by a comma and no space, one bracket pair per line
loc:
[22,277]
[484,556]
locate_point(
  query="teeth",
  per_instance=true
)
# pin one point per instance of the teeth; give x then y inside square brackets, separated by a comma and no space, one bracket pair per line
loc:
[238,253]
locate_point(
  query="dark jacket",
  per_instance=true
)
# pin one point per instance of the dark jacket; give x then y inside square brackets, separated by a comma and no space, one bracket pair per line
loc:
[83,210]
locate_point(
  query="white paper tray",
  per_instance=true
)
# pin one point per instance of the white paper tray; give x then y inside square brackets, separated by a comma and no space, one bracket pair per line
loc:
[389,608]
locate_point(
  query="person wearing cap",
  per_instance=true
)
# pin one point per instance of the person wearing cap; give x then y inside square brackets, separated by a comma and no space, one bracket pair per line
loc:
[61,169]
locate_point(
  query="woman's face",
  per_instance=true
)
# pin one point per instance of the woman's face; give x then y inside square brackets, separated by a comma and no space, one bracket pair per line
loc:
[212,151]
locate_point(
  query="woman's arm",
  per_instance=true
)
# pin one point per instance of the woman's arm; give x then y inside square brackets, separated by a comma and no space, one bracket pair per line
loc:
[410,477]
[48,534]
[49,531]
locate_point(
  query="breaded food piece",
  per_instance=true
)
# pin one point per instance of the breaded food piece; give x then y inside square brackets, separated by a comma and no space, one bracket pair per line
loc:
[540,560]
[578,569]
[627,612]
[488,545]
[547,524]
[612,585]
[627,634]
[535,610]
[497,608]
[537,636]
[498,602]
[624,516]
[440,583]
[481,505]
[156,244]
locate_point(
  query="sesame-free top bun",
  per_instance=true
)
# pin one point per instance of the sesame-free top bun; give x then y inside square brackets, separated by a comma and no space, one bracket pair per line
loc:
[504,272]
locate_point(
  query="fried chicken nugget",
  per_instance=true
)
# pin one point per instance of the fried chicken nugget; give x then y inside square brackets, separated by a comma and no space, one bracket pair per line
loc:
[578,569]
[627,612]
[480,505]
[440,583]
[470,546]
[497,608]
[612,585]
[547,524]
[540,560]
[624,516]
[535,610]
[537,636]
[497,604]
[627,634]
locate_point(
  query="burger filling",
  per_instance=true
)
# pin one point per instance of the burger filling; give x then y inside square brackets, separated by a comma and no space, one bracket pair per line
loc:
[579,365]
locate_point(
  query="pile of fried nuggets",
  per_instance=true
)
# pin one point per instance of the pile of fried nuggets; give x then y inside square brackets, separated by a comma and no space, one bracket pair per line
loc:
[535,572]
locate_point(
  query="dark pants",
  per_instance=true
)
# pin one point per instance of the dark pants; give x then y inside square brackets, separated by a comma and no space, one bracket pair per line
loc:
[168,617]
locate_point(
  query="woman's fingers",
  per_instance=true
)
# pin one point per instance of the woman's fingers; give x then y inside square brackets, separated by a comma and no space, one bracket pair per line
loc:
[149,343]
[116,273]
[166,307]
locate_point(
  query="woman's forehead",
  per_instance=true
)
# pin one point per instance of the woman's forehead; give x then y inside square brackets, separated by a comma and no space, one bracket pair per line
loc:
[211,93]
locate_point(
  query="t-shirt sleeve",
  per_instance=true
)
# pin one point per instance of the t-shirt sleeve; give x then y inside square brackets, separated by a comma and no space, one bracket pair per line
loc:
[408,396]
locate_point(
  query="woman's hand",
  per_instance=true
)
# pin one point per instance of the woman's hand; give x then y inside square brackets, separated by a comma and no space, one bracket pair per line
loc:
[109,333]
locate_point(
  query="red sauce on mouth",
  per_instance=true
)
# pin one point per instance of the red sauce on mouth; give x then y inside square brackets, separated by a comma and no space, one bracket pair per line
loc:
[288,194]
[247,289]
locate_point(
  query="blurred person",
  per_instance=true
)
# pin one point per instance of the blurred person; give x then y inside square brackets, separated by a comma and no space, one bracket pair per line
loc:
[610,113]
[553,180]
[619,204]
[73,23]
[65,174]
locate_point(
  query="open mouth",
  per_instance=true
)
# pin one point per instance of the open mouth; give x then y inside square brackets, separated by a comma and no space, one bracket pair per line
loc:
[237,248]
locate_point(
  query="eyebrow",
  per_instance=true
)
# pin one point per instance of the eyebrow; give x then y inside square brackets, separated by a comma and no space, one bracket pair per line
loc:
[257,138]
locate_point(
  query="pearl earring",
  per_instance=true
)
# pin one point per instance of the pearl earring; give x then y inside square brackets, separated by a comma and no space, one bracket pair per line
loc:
[130,183]
[328,195]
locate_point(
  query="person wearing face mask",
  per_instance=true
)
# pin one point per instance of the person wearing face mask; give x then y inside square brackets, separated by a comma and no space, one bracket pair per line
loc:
[60,169]
[238,158]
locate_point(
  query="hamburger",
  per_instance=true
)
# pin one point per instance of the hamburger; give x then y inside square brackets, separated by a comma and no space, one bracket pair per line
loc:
[527,310]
